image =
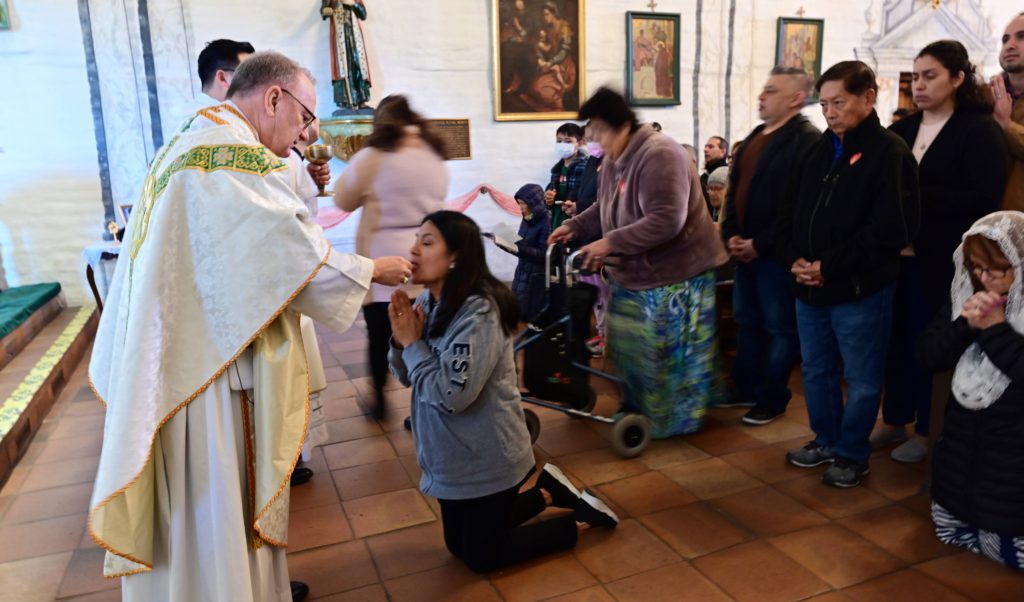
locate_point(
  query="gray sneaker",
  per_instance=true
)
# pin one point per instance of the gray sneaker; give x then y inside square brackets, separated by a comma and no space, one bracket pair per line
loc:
[914,450]
[810,455]
[845,473]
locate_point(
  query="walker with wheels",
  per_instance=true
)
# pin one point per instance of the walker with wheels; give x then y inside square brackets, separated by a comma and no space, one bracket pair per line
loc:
[556,363]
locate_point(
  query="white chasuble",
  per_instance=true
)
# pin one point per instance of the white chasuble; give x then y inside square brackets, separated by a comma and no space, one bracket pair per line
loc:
[191,495]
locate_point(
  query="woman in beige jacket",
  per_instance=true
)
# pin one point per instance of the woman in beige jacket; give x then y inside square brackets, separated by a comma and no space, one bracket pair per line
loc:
[398,178]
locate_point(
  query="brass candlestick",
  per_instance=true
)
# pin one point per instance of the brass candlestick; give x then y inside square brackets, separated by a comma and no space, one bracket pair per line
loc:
[319,154]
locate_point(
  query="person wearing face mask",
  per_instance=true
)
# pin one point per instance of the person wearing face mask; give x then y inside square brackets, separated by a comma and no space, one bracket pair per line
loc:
[850,206]
[961,156]
[586,197]
[650,214]
[566,173]
[977,476]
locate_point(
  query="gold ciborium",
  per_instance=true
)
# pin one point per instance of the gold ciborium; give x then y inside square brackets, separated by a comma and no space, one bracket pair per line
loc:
[319,154]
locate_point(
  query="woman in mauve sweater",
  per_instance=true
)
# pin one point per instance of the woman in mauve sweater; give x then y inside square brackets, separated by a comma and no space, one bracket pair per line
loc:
[651,211]
[398,178]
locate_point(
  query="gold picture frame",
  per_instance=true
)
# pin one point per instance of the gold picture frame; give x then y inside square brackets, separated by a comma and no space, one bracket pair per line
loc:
[527,87]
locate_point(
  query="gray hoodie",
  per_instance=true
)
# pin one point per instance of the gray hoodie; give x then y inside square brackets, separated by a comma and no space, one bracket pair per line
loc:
[467,422]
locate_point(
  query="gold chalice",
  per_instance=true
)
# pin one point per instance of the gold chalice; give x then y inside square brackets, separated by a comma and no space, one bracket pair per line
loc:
[319,154]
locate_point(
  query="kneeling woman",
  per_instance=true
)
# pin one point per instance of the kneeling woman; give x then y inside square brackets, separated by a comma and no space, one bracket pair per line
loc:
[978,473]
[454,348]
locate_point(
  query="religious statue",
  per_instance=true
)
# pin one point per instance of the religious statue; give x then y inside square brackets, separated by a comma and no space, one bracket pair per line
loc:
[350,69]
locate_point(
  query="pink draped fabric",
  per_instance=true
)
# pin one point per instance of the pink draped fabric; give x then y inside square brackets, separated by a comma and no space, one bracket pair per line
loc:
[330,217]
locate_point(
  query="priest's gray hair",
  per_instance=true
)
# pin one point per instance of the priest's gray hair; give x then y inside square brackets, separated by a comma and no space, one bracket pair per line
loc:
[265,69]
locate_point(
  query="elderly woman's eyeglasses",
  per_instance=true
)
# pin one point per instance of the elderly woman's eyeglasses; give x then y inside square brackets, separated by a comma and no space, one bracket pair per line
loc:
[311,116]
[996,273]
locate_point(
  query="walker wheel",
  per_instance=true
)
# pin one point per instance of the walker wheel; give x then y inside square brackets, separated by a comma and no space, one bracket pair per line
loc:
[532,424]
[631,435]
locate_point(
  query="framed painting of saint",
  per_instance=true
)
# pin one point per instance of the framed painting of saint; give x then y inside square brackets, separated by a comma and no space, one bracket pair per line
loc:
[538,59]
[799,44]
[652,59]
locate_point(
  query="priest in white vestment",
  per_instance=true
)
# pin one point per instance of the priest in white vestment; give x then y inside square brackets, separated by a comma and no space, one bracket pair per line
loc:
[199,357]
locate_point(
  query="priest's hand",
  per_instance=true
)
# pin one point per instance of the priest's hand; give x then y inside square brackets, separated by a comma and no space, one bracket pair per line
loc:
[321,174]
[391,271]
[406,321]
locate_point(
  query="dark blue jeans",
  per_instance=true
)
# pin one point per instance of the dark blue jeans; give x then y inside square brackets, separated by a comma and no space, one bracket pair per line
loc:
[856,334]
[908,386]
[767,346]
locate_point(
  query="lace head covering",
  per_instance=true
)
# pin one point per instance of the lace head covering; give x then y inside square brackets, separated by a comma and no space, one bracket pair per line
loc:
[977,382]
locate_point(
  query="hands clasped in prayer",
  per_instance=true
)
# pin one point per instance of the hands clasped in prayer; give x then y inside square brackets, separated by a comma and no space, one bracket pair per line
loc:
[984,309]
[406,321]
[808,272]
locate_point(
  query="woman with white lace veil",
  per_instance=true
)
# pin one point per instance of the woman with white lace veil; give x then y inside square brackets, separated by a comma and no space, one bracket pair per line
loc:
[978,473]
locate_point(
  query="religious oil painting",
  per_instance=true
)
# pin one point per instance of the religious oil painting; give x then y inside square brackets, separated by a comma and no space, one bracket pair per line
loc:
[799,44]
[5,15]
[652,59]
[538,59]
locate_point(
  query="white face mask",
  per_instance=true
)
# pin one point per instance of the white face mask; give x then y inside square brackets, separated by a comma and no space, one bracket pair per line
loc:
[594,149]
[565,149]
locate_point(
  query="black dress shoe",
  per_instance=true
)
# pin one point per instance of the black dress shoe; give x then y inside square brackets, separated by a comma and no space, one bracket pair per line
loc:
[299,590]
[407,423]
[300,476]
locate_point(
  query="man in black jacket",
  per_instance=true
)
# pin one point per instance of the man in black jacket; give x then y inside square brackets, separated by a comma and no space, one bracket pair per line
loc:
[855,205]
[762,303]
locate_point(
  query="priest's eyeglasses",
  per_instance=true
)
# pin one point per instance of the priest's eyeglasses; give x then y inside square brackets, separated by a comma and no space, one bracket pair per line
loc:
[311,115]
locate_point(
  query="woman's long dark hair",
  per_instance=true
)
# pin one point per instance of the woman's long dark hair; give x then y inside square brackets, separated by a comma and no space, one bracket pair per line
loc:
[973,95]
[390,119]
[470,276]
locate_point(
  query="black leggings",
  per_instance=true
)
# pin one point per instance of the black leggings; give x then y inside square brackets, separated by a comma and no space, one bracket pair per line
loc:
[487,532]
[378,330]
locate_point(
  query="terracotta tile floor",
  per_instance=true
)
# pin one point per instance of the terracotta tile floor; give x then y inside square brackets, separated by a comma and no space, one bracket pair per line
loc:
[715,516]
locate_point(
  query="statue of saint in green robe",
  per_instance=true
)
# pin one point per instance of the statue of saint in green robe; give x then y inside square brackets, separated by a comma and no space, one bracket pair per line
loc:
[350,69]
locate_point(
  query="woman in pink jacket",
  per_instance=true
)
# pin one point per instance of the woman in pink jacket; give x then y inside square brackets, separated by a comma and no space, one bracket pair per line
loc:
[397,178]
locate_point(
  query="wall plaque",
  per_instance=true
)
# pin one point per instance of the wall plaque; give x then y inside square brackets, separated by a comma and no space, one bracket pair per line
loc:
[456,136]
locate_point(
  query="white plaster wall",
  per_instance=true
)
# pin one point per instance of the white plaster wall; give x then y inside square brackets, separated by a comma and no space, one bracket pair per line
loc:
[50,206]
[438,53]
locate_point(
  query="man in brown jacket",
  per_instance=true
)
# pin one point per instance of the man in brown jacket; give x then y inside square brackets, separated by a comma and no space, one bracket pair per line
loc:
[1008,88]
